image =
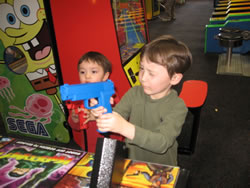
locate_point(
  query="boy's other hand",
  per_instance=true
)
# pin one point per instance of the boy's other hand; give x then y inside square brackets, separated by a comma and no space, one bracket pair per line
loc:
[88,116]
[96,112]
[74,116]
[112,100]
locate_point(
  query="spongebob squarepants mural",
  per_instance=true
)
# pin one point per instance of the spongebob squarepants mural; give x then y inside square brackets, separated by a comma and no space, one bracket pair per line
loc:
[29,98]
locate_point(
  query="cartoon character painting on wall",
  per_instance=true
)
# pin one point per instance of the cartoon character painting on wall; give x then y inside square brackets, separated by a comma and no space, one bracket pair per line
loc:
[30,102]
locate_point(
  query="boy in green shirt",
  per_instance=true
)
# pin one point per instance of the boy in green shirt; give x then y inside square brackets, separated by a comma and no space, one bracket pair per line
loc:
[150,116]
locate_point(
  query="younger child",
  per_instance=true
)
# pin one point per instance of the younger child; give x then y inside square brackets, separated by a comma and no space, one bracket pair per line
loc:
[150,116]
[92,67]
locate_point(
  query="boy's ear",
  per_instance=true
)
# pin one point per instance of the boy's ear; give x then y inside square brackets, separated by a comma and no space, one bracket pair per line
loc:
[176,78]
[106,76]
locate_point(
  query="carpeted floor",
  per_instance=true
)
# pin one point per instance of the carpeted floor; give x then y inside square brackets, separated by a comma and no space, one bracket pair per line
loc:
[221,158]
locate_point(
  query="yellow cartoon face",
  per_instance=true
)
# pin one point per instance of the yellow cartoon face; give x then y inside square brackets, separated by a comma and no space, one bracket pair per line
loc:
[23,27]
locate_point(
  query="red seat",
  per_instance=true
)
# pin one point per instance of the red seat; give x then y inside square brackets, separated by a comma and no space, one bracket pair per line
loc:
[194,94]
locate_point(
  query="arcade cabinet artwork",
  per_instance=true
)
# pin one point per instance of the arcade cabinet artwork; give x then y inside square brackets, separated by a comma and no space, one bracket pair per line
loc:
[135,174]
[26,164]
[131,30]
[140,174]
[5,140]
[29,100]
[79,175]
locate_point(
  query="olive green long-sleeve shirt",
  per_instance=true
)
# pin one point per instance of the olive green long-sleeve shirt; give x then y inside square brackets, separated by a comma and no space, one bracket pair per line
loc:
[157,125]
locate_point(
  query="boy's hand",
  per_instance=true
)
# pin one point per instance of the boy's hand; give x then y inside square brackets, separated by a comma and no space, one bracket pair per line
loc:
[88,116]
[112,100]
[96,112]
[108,122]
[114,122]
[74,116]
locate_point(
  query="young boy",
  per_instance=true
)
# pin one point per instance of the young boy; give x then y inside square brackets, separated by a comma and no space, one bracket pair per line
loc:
[92,67]
[150,116]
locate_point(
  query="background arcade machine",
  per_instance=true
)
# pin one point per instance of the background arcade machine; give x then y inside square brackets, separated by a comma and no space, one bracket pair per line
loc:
[234,17]
[226,5]
[117,29]
[152,9]
[230,38]
[30,105]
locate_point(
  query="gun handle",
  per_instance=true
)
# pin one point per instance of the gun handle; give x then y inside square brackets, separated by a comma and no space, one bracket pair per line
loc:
[109,110]
[107,106]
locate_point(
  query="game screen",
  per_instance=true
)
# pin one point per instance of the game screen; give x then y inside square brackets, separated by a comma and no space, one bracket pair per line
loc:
[26,164]
[130,26]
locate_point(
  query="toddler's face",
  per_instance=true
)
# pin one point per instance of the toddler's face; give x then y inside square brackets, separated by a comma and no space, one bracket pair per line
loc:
[154,79]
[90,72]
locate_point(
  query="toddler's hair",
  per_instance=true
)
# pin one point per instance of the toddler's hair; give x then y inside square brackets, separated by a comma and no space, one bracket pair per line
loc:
[98,58]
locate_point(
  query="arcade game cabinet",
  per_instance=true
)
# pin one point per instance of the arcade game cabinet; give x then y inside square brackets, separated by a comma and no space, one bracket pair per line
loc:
[117,29]
[30,104]
[152,9]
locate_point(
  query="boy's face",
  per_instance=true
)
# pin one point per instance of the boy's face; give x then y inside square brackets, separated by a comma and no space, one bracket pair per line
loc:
[90,72]
[155,79]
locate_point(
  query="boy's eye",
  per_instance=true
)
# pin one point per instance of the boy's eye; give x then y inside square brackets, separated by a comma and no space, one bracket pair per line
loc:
[94,72]
[82,72]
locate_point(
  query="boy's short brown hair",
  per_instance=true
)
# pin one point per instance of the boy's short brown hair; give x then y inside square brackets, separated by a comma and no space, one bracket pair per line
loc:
[98,58]
[167,51]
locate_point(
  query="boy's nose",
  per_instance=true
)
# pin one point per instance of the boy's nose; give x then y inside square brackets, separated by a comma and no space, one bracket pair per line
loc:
[143,77]
[88,75]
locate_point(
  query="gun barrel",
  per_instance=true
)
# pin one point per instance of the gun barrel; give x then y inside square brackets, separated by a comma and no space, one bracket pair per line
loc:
[64,92]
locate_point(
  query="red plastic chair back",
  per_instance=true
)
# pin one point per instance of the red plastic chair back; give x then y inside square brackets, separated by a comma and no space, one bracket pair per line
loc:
[194,93]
